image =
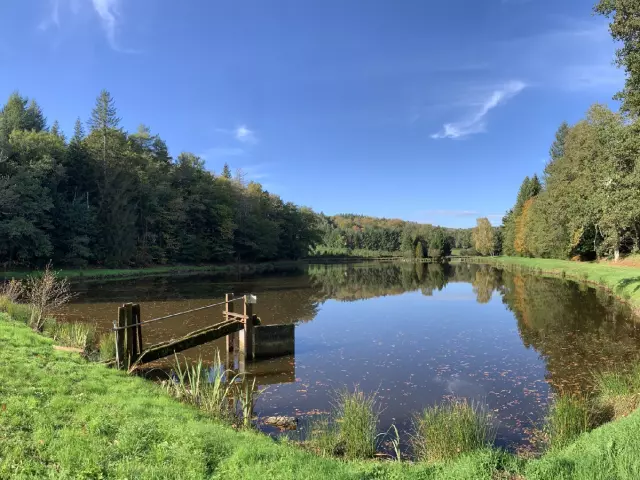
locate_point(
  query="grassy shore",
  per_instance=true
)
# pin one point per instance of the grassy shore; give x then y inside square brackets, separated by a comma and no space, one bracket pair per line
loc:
[623,281]
[64,417]
[121,273]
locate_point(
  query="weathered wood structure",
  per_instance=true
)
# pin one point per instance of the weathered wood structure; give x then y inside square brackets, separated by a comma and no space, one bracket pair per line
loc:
[243,333]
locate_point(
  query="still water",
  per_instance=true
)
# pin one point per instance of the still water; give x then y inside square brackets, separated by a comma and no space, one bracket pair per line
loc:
[415,334]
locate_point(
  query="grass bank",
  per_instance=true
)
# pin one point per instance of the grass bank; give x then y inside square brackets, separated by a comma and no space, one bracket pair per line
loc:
[623,281]
[121,273]
[64,417]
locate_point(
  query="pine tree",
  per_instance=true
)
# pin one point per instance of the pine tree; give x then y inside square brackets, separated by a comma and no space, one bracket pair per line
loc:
[34,118]
[226,171]
[104,115]
[55,130]
[78,132]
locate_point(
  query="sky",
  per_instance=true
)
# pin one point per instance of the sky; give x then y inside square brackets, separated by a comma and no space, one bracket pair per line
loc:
[427,111]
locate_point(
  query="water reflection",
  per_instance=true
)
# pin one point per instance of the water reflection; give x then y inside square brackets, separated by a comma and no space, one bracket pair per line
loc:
[414,333]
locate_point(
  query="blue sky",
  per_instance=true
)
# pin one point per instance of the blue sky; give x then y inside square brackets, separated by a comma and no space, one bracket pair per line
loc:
[422,110]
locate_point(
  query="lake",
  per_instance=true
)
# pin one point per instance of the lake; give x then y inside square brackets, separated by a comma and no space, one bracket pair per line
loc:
[413,333]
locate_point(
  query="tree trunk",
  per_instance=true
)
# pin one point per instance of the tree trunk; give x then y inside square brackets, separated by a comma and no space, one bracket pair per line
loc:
[616,253]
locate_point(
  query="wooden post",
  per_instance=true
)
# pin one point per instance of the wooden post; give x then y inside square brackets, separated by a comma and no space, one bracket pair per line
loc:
[137,317]
[232,343]
[246,336]
[120,337]
[129,337]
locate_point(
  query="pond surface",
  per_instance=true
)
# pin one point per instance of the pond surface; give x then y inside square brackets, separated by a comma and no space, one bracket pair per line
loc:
[414,333]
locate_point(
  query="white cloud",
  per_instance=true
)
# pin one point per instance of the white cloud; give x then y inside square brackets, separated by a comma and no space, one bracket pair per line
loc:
[243,134]
[475,122]
[53,18]
[107,10]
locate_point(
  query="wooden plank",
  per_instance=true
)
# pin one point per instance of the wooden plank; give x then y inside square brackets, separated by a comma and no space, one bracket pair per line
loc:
[137,318]
[190,340]
[129,338]
[246,336]
[120,337]
[235,316]
[228,310]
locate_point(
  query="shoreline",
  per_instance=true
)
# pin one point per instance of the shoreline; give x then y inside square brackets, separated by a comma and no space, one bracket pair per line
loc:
[621,281]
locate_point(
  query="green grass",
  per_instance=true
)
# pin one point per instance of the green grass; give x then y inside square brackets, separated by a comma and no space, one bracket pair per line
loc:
[64,417]
[357,417]
[107,347]
[120,273]
[454,428]
[618,391]
[568,418]
[623,281]
[75,334]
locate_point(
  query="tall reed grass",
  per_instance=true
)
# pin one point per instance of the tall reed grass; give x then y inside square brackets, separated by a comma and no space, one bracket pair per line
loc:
[618,391]
[453,428]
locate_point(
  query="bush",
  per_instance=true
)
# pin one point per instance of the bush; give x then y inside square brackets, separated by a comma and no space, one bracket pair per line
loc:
[46,292]
[454,428]
[12,290]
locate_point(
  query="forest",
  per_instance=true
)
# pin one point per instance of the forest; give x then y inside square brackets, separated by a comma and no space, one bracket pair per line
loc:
[107,197]
[586,204]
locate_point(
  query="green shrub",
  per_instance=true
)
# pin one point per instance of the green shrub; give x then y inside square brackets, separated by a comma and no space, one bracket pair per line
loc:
[568,418]
[453,428]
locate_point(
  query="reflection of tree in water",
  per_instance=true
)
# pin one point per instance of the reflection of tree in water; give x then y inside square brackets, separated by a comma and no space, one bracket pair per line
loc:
[486,280]
[576,329]
[356,282]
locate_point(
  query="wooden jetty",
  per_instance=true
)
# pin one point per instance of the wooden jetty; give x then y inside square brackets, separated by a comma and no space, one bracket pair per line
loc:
[243,332]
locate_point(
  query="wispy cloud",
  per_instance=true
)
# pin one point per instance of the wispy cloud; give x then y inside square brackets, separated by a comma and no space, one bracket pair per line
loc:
[53,16]
[475,121]
[241,133]
[107,11]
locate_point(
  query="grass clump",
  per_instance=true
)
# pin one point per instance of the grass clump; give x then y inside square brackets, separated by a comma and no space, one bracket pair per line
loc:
[618,391]
[76,335]
[107,347]
[210,389]
[568,418]
[351,429]
[18,311]
[453,428]
[357,415]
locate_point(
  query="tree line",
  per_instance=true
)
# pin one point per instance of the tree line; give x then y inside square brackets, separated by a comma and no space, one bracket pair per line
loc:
[108,197]
[352,234]
[586,204]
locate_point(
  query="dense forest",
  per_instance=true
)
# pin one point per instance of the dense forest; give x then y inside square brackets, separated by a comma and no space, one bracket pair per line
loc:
[587,202]
[113,198]
[108,197]
[348,233]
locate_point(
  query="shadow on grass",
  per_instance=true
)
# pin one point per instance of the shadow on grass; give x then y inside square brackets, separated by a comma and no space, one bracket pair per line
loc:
[622,284]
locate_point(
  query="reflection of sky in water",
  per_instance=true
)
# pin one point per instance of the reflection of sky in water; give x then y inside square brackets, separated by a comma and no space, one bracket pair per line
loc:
[416,350]
[401,336]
